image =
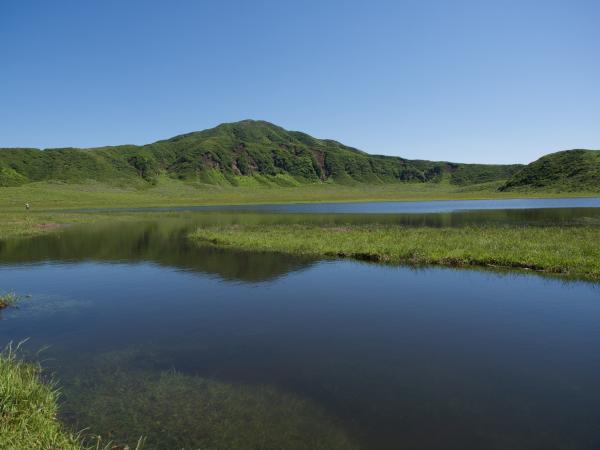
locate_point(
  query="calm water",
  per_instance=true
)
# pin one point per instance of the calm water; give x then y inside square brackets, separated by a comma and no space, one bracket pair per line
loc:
[198,347]
[402,207]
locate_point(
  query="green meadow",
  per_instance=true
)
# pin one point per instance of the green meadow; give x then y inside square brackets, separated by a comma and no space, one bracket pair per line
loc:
[255,190]
[54,205]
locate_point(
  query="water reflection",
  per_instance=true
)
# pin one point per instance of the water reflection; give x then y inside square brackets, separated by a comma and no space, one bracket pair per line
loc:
[392,207]
[163,240]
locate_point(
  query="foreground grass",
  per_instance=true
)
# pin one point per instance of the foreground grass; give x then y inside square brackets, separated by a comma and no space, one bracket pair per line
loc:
[572,251]
[28,409]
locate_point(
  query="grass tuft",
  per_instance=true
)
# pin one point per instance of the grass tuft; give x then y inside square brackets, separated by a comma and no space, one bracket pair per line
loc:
[8,299]
[28,408]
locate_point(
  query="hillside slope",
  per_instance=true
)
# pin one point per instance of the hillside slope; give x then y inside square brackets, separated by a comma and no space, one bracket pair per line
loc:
[231,153]
[569,170]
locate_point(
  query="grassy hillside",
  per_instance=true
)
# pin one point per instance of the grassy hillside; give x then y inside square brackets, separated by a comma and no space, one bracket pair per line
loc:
[254,152]
[566,171]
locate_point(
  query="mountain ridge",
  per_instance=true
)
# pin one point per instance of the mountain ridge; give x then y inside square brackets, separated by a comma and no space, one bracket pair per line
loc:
[230,153]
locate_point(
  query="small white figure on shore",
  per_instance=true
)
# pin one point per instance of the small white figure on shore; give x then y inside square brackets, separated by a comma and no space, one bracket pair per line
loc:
[27,206]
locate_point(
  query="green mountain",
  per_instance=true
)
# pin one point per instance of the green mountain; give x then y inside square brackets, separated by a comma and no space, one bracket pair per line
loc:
[570,170]
[228,154]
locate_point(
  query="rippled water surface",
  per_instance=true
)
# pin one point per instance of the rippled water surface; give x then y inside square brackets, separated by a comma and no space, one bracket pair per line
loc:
[198,347]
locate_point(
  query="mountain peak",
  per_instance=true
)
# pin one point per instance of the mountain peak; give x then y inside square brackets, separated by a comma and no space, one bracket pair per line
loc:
[253,148]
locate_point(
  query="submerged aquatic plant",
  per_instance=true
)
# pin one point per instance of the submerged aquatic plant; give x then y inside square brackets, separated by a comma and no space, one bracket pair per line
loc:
[178,410]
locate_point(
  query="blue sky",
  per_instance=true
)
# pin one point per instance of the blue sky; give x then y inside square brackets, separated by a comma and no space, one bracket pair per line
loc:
[464,80]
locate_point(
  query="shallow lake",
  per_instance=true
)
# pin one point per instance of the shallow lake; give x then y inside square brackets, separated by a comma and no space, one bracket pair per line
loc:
[197,347]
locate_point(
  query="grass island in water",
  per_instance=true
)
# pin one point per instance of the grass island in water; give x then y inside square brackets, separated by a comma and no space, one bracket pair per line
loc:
[572,251]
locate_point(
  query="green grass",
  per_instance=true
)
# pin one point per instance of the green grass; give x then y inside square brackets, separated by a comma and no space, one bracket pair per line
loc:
[8,299]
[571,251]
[28,409]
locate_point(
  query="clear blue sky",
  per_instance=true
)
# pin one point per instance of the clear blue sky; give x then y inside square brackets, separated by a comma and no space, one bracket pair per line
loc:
[463,80]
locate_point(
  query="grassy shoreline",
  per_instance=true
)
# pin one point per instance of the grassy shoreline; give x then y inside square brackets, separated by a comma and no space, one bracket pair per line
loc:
[28,405]
[29,411]
[570,251]
[26,224]
[29,408]
[55,205]
[46,196]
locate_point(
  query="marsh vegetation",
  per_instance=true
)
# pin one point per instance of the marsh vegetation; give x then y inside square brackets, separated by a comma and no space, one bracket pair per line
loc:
[572,251]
